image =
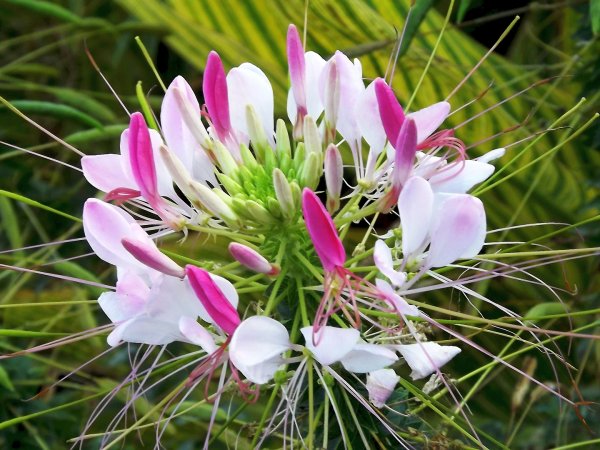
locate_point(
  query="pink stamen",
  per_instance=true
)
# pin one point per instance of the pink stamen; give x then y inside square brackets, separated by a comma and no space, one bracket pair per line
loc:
[121,195]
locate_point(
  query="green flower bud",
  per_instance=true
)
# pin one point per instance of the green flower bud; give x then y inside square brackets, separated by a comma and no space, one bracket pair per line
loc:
[283,192]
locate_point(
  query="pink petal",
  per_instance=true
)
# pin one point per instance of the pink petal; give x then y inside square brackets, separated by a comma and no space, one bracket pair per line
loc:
[429,119]
[105,172]
[104,226]
[213,299]
[458,230]
[390,111]
[322,231]
[415,205]
[382,256]
[214,87]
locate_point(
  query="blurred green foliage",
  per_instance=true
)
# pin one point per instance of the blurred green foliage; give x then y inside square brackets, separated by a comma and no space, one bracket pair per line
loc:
[46,73]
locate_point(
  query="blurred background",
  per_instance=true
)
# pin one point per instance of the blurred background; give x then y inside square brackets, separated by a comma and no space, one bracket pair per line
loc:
[46,72]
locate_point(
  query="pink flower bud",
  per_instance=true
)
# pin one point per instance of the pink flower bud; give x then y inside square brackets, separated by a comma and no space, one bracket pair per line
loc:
[297,68]
[218,307]
[332,98]
[141,158]
[252,259]
[214,88]
[334,177]
[380,385]
[390,111]
[322,232]
[146,252]
[406,149]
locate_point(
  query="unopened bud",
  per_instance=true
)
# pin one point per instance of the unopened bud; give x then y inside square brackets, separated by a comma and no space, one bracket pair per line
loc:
[332,100]
[258,212]
[284,195]
[225,160]
[334,177]
[209,200]
[248,159]
[283,138]
[177,170]
[252,259]
[191,119]
[256,131]
[312,140]
[146,252]
[380,385]
[312,170]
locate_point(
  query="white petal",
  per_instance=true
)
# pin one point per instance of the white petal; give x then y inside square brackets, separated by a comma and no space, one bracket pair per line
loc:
[458,230]
[172,298]
[460,178]
[415,205]
[380,385]
[368,357]
[314,64]
[351,87]
[429,119]
[178,136]
[147,330]
[426,357]
[256,347]
[369,120]
[401,305]
[491,155]
[332,343]
[248,85]
[197,334]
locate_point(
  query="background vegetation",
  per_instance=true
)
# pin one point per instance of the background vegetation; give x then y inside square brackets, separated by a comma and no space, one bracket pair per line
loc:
[46,73]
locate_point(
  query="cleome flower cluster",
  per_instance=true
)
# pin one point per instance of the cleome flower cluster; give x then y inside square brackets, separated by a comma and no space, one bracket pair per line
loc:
[285,195]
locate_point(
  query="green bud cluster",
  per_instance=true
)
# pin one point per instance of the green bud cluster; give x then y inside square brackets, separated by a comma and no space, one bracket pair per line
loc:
[264,189]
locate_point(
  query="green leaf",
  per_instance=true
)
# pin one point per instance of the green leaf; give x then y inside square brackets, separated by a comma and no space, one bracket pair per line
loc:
[5,380]
[55,110]
[10,223]
[545,309]
[412,27]
[463,8]
[48,9]
[28,201]
[28,334]
[595,15]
